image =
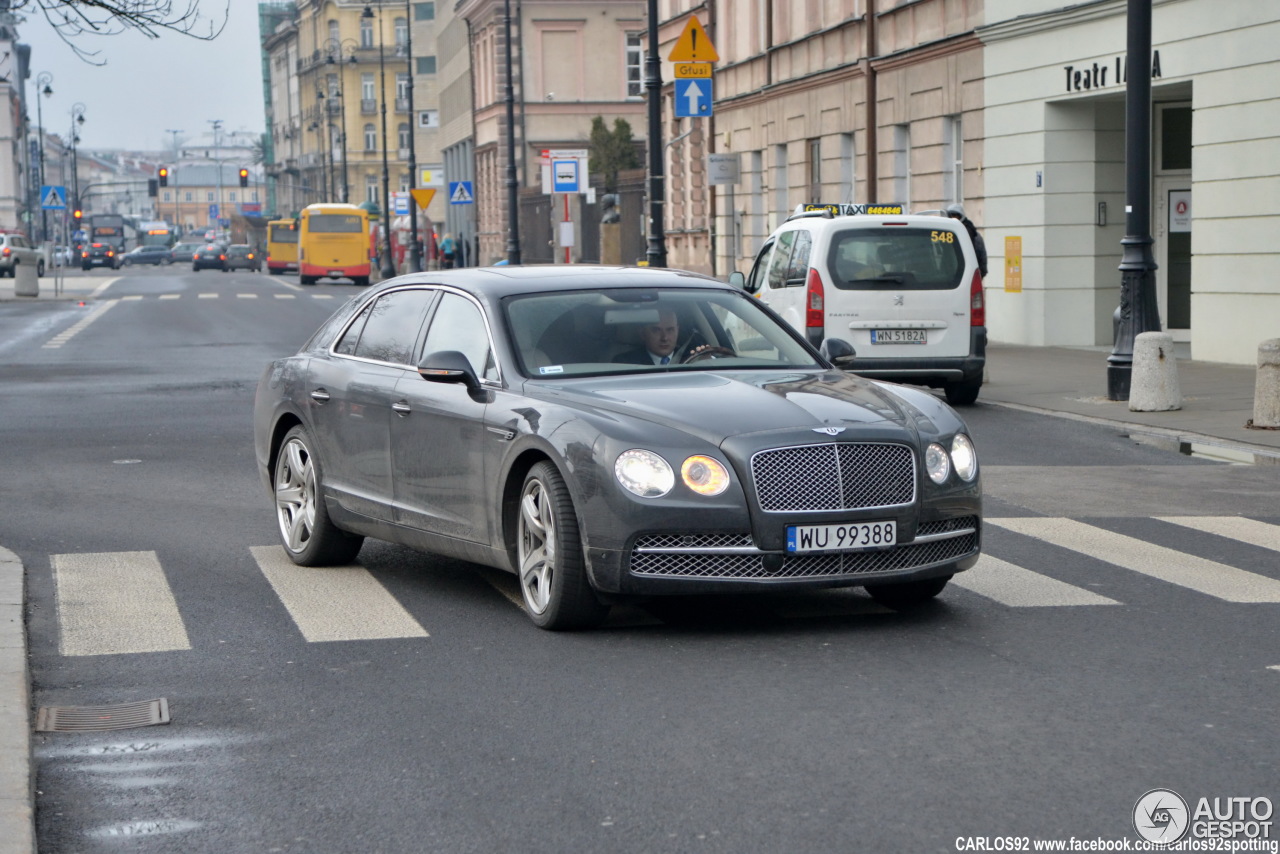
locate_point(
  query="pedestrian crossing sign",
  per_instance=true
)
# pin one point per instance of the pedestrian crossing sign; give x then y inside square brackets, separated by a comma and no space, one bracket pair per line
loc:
[460,193]
[53,197]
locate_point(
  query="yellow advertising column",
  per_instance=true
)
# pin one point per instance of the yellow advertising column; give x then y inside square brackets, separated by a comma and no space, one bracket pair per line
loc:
[1013,265]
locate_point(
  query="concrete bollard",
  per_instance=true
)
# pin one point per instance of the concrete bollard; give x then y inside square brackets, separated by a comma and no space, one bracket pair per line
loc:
[25,281]
[1153,386]
[1266,392]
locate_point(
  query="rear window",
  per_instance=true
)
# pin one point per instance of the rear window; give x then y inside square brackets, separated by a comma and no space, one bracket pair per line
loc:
[897,258]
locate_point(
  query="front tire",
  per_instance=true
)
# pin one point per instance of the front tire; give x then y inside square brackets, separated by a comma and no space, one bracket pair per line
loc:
[40,267]
[306,533]
[908,594]
[553,573]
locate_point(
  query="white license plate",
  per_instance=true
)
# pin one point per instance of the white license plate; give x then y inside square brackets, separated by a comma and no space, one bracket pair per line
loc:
[848,537]
[898,336]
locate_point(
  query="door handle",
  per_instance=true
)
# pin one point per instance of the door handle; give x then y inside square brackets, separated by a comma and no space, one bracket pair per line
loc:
[320,395]
[401,407]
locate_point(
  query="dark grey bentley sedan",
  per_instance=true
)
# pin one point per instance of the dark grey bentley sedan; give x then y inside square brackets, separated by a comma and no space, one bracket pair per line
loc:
[610,433]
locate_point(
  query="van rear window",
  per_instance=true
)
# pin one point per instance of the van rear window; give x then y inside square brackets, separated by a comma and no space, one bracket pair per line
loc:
[896,258]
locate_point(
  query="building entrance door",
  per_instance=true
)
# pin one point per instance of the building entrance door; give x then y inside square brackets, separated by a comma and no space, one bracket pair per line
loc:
[1172,217]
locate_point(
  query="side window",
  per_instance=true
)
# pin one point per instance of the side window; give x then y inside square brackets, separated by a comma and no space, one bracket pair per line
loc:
[346,345]
[756,279]
[798,268]
[777,275]
[458,325]
[392,327]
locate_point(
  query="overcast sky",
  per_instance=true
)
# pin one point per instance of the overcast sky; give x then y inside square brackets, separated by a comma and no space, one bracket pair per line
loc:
[150,85]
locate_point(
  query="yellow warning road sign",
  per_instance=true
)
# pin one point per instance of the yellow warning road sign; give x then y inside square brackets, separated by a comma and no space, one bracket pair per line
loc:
[693,45]
[423,197]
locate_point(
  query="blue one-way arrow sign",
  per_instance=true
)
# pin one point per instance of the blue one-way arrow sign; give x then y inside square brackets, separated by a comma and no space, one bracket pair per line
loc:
[693,98]
[53,197]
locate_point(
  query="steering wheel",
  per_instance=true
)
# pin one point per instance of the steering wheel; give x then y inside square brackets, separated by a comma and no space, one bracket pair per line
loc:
[707,351]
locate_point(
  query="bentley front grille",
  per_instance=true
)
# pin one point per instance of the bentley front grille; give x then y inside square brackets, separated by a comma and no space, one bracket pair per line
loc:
[734,556]
[834,476]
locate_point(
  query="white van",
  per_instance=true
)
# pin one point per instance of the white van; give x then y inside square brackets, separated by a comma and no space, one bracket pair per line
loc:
[904,290]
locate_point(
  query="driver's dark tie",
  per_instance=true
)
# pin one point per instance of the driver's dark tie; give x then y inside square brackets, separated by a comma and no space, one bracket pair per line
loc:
[665,360]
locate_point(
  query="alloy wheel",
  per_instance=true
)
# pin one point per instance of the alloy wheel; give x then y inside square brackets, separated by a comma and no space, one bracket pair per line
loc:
[537,546]
[295,495]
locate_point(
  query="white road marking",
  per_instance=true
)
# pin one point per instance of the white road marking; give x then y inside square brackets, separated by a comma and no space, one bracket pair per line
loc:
[1204,576]
[1232,527]
[170,296]
[322,296]
[114,603]
[208,296]
[131,298]
[339,603]
[102,287]
[67,334]
[247,296]
[290,285]
[1012,585]
[286,296]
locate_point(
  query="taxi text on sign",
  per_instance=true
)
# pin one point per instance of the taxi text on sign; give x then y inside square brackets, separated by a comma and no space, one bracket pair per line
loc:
[693,45]
[1013,265]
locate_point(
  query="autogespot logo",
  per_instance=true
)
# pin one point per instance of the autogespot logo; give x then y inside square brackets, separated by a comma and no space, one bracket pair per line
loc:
[1161,816]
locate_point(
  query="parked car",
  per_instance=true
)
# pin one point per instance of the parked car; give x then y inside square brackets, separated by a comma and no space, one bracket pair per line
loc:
[16,249]
[99,255]
[154,255]
[211,256]
[521,418]
[62,256]
[905,291]
[240,256]
[182,253]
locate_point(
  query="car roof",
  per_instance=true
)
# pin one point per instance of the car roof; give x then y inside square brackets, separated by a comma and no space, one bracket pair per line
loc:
[503,281]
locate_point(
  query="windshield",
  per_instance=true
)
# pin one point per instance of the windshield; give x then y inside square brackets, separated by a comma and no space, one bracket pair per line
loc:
[590,333]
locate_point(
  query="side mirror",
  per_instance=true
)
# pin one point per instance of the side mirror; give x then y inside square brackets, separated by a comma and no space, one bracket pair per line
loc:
[838,352]
[738,280]
[448,366]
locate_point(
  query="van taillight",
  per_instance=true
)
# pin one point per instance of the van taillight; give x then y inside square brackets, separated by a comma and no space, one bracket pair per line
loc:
[977,302]
[814,315]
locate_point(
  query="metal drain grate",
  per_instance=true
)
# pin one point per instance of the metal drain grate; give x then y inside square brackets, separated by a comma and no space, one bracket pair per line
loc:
[99,718]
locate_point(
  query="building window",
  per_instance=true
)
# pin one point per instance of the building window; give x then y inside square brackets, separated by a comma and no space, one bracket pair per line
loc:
[233,196]
[426,64]
[255,195]
[403,135]
[208,197]
[370,138]
[780,181]
[402,34]
[188,198]
[331,85]
[901,166]
[166,195]
[635,65]
[368,91]
[371,189]
[333,33]
[952,160]
[815,170]
[424,11]
[402,86]
[846,166]
[366,32]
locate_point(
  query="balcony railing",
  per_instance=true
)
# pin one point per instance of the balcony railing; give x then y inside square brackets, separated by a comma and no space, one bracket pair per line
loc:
[368,106]
[402,105]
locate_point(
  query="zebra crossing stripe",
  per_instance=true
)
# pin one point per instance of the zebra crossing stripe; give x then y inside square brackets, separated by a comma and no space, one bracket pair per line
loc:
[65,336]
[338,603]
[1249,531]
[115,602]
[1012,585]
[1195,573]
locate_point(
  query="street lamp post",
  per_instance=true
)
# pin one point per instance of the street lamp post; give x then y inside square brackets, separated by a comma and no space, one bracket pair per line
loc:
[513,220]
[217,163]
[348,45]
[77,118]
[415,254]
[173,173]
[388,266]
[42,88]
[657,250]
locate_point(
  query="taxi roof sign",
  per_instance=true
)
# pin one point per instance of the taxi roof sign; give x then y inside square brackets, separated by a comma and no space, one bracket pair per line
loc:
[868,209]
[693,44]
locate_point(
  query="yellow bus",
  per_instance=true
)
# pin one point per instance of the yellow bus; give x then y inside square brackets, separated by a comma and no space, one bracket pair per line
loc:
[333,243]
[282,246]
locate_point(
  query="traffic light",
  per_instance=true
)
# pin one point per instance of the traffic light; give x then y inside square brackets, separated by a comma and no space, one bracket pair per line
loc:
[152,184]
[244,177]
[164,176]
[78,214]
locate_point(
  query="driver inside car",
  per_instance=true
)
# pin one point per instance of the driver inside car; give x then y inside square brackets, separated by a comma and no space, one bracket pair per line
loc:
[658,342]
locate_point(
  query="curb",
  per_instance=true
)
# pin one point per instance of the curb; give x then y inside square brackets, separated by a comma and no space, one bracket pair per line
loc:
[17,802]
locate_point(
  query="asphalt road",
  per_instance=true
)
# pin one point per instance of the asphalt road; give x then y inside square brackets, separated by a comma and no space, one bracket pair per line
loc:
[1112,642]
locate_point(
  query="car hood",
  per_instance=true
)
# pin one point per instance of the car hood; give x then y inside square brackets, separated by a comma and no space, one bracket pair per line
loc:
[718,405]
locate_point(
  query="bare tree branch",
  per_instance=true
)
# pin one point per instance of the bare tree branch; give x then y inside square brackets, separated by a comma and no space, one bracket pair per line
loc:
[71,19]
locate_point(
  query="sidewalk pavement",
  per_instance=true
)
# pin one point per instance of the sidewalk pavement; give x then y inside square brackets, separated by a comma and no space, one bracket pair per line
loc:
[73,287]
[1067,382]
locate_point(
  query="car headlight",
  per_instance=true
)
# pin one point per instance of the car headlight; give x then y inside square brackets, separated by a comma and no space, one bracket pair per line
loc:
[964,457]
[644,473]
[704,475]
[937,463]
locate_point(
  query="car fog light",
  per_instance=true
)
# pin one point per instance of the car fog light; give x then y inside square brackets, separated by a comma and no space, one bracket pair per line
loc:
[644,473]
[963,457]
[936,463]
[704,475]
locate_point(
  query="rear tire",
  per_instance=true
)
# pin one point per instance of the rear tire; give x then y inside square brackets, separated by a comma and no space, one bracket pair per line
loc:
[306,533]
[908,594]
[40,267]
[549,556]
[362,281]
[962,393]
